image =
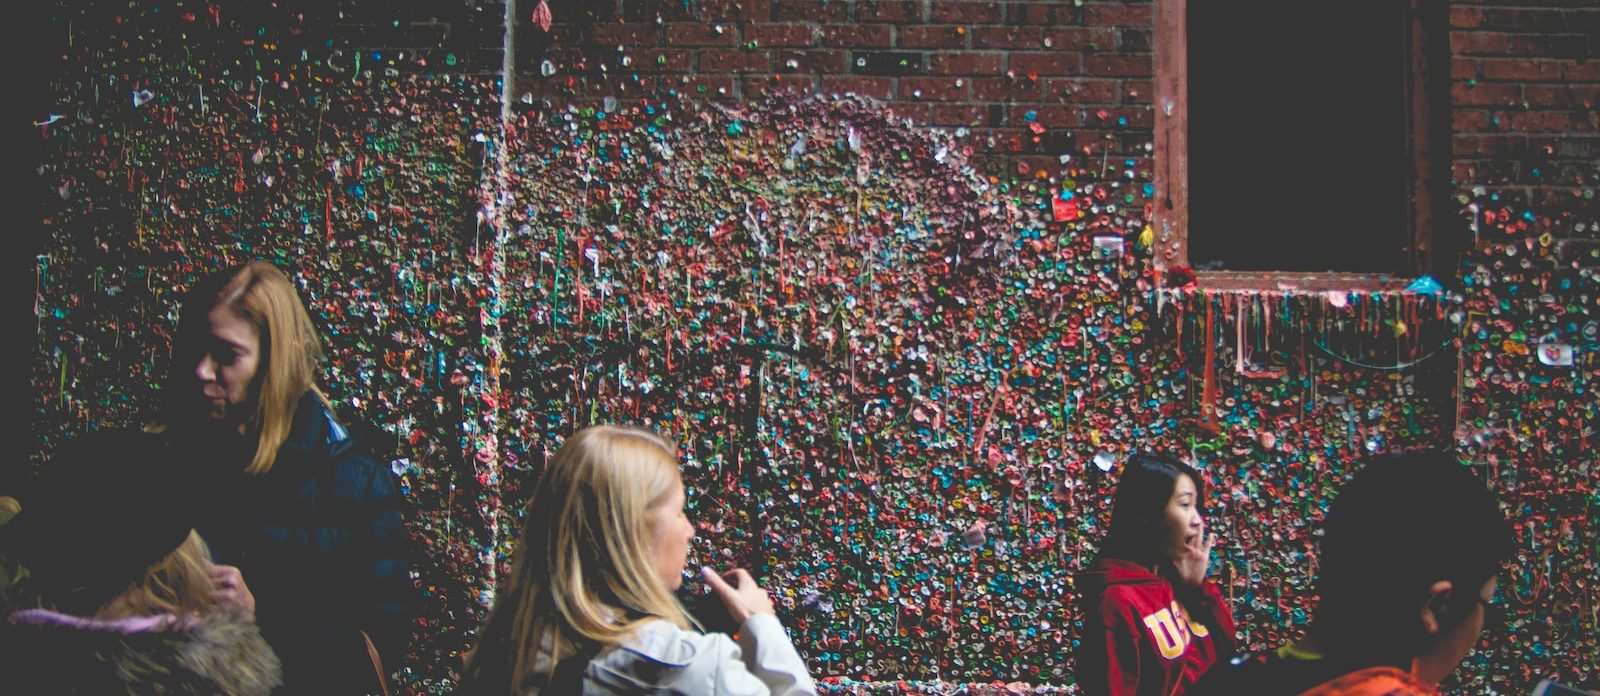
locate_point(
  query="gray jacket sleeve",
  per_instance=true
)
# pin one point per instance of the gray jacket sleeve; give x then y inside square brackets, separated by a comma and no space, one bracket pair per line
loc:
[664,658]
[770,657]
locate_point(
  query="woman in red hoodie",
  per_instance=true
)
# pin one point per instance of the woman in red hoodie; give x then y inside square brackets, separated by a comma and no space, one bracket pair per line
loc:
[1152,624]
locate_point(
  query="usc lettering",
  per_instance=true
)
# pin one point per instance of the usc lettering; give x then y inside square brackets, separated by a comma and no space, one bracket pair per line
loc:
[1173,630]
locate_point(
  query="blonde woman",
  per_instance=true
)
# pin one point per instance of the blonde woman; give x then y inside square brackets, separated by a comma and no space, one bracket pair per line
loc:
[120,592]
[303,506]
[590,608]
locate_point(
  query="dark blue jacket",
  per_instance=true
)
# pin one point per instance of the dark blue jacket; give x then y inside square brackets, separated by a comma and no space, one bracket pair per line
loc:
[321,544]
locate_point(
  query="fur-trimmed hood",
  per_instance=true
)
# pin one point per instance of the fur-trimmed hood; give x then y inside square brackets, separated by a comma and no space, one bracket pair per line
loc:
[45,652]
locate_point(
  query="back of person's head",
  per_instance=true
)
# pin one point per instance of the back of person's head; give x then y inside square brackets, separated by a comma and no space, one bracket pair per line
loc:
[583,574]
[1401,524]
[1138,512]
[109,532]
[262,295]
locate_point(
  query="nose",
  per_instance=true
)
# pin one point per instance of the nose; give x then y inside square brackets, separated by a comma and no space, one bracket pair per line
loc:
[206,369]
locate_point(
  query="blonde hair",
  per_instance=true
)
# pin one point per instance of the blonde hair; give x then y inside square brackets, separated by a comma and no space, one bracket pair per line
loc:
[290,350]
[178,584]
[583,574]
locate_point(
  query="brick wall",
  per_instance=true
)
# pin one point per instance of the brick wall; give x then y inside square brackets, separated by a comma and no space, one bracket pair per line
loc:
[1525,83]
[1032,80]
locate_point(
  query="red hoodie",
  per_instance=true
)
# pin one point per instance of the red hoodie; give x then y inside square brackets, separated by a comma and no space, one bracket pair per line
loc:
[1139,640]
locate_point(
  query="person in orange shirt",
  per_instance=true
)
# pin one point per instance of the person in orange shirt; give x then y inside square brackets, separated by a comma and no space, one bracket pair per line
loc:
[1408,562]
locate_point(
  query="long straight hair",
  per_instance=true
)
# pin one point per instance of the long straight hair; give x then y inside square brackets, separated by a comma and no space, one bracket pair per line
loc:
[583,576]
[290,351]
[1138,513]
[178,584]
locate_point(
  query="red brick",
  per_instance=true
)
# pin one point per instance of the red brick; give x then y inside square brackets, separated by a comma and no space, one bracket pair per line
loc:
[1528,19]
[1134,40]
[727,10]
[959,115]
[1118,14]
[1052,63]
[647,85]
[809,10]
[1047,115]
[822,61]
[1485,94]
[856,35]
[1520,69]
[1078,38]
[1138,92]
[1004,89]
[1581,72]
[1463,68]
[1081,91]
[1530,121]
[753,86]
[1562,96]
[1494,145]
[1555,46]
[966,12]
[1470,121]
[1119,66]
[1486,172]
[1502,44]
[1043,14]
[562,33]
[1004,140]
[718,86]
[1467,43]
[1549,198]
[1567,173]
[779,35]
[1585,20]
[895,11]
[935,88]
[735,61]
[666,60]
[700,34]
[537,86]
[966,63]
[1464,145]
[1466,17]
[1008,37]
[1037,166]
[627,34]
[876,87]
[1091,141]
[931,36]
[1110,117]
[1586,149]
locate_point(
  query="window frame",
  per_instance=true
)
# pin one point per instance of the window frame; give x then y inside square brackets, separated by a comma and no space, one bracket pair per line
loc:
[1427,106]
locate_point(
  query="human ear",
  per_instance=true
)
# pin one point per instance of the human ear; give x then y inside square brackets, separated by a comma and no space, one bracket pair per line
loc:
[1436,606]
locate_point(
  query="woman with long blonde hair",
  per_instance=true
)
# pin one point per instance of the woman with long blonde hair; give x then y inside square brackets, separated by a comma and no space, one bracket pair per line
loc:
[589,607]
[120,591]
[305,509]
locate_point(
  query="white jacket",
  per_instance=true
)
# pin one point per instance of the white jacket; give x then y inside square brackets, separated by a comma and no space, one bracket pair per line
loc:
[664,659]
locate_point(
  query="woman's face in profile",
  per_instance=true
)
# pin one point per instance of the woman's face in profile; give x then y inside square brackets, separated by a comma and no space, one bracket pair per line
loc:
[671,533]
[227,365]
[1184,526]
